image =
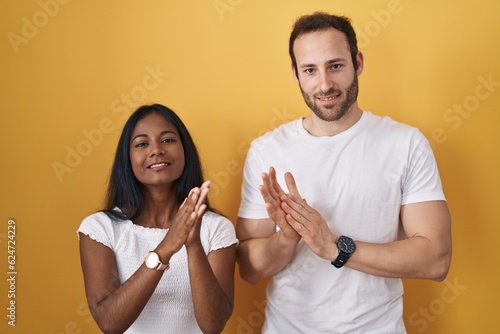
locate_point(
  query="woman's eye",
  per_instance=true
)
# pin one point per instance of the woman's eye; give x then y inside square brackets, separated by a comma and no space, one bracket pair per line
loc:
[168,140]
[141,144]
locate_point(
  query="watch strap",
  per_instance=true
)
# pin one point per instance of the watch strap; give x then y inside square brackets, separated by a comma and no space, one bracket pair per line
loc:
[162,266]
[341,260]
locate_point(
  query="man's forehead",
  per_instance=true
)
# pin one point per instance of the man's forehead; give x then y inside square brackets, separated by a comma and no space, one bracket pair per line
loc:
[330,43]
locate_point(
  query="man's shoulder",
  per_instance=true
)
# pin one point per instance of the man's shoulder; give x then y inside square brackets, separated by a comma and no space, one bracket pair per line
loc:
[283,132]
[387,124]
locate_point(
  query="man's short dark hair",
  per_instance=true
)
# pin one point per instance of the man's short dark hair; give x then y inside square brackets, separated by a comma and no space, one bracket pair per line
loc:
[319,21]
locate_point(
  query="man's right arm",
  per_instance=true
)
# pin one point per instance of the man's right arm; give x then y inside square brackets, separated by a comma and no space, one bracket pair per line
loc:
[262,251]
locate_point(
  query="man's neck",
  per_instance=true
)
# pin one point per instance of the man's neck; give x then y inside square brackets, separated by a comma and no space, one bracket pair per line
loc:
[320,128]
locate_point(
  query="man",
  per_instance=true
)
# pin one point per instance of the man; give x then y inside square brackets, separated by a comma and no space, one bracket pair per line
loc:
[363,205]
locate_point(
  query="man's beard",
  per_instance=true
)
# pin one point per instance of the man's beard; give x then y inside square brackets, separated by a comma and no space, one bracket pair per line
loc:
[338,110]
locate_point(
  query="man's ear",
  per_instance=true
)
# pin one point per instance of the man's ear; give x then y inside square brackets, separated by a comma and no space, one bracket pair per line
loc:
[294,72]
[360,62]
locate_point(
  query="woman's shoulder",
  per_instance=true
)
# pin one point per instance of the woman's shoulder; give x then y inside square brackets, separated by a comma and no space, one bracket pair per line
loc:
[104,227]
[216,223]
[213,217]
[103,221]
[102,217]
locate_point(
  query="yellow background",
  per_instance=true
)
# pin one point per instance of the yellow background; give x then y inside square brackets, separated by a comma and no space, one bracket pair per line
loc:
[71,71]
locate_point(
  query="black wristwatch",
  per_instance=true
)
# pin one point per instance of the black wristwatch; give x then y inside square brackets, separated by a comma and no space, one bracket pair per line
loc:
[346,247]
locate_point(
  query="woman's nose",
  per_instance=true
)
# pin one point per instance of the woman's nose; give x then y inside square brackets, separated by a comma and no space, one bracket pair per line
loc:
[156,149]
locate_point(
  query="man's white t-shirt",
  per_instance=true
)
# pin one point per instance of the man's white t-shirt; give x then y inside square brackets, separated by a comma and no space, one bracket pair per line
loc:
[358,180]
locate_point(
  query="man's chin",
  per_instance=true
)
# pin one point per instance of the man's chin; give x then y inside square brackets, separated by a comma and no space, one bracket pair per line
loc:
[328,114]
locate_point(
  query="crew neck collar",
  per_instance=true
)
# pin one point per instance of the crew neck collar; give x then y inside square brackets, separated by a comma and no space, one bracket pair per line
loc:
[355,128]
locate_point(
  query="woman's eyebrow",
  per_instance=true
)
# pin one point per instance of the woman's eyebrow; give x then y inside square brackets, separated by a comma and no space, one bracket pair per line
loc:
[161,133]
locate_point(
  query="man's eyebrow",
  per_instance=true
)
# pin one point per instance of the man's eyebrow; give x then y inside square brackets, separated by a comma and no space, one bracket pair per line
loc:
[307,65]
[335,60]
[331,61]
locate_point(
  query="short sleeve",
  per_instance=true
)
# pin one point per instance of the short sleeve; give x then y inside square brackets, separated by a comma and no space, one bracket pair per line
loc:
[98,227]
[220,232]
[422,182]
[252,204]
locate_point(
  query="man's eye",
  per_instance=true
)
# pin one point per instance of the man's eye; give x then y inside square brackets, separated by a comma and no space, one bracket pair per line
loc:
[336,66]
[309,70]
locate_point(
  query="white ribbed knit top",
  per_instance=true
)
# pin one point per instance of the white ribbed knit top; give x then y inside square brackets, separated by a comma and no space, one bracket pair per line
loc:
[170,309]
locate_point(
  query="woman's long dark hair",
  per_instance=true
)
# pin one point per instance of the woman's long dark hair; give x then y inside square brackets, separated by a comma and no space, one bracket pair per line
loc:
[124,190]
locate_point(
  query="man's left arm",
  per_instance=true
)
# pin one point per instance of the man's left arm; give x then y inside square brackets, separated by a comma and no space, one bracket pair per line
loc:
[425,253]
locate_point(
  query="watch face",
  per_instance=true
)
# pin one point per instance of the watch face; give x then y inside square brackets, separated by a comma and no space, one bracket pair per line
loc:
[346,245]
[152,260]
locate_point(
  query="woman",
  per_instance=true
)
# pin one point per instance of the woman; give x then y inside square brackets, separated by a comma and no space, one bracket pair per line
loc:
[158,258]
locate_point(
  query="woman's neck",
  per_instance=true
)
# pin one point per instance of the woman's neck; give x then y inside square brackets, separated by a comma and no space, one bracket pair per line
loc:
[159,210]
